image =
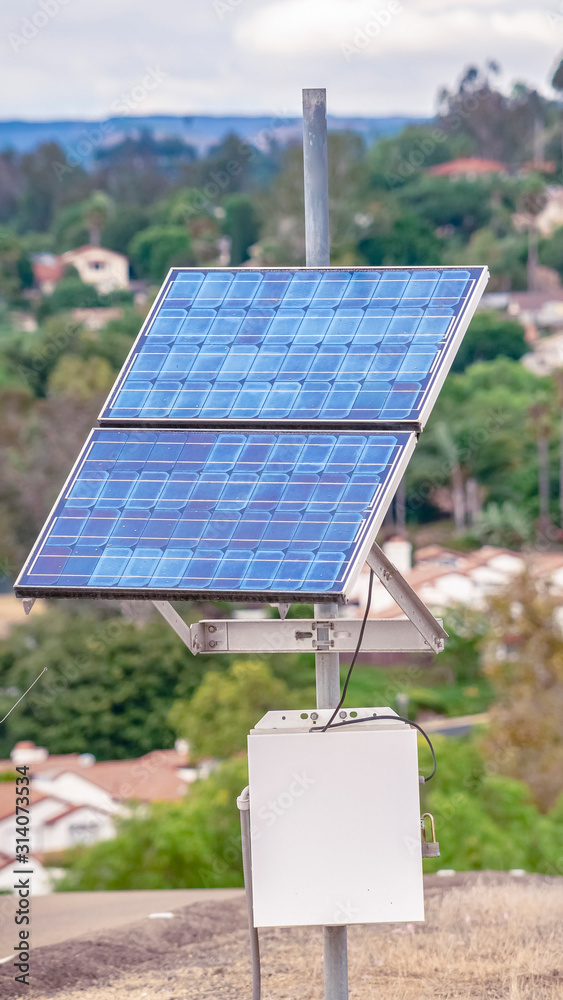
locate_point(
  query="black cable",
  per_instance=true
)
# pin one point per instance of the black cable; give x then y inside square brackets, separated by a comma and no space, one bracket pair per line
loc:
[357,650]
[379,718]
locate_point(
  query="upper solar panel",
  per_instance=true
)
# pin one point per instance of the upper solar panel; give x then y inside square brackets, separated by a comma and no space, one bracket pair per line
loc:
[294,346]
[246,515]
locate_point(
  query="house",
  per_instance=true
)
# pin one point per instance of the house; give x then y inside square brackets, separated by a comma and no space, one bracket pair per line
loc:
[443,577]
[97,317]
[469,167]
[48,269]
[75,799]
[547,355]
[107,270]
[550,217]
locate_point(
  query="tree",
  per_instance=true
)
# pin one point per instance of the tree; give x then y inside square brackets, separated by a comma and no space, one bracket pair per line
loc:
[524,660]
[110,685]
[76,378]
[550,251]
[194,843]
[15,266]
[70,293]
[489,336]
[486,412]
[241,225]
[409,241]
[96,212]
[541,422]
[504,524]
[156,249]
[462,204]
[225,707]
[399,159]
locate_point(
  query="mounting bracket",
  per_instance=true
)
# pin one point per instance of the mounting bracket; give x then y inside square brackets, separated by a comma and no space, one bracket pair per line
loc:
[395,584]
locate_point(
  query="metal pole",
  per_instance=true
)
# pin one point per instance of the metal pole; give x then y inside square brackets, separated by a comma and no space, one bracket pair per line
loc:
[327,664]
[327,670]
[315,169]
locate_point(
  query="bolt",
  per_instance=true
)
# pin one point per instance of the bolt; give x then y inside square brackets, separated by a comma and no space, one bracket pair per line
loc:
[314,716]
[212,643]
[342,715]
[211,628]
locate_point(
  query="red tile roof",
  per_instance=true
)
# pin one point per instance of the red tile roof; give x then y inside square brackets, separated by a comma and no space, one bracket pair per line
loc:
[8,798]
[467,165]
[153,777]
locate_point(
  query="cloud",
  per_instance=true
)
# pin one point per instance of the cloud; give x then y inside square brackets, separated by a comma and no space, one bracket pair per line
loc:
[290,27]
[256,55]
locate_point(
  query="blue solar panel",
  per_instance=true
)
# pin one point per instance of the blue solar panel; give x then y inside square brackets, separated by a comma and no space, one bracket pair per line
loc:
[256,345]
[178,514]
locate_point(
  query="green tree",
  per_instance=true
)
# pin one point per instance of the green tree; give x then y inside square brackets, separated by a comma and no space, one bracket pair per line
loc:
[396,160]
[71,293]
[490,335]
[504,524]
[34,357]
[156,249]
[194,843]
[483,819]
[15,266]
[241,225]
[225,707]
[481,409]
[524,660]
[109,687]
[551,251]
[462,204]
[77,378]
[409,241]
[119,228]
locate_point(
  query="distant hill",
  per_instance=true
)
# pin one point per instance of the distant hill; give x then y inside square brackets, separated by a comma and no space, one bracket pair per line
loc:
[199,131]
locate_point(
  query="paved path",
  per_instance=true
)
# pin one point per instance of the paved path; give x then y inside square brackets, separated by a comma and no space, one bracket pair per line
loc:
[64,915]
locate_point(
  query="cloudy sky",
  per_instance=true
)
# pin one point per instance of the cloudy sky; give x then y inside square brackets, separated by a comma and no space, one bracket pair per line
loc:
[79,58]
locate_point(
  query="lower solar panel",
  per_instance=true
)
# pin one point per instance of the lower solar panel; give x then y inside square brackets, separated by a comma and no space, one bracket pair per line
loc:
[191,514]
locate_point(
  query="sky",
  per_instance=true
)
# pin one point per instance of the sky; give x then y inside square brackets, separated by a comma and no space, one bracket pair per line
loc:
[62,59]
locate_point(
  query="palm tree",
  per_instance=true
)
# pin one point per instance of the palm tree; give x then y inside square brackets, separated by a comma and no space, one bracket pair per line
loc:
[449,448]
[96,211]
[539,416]
[557,84]
[558,375]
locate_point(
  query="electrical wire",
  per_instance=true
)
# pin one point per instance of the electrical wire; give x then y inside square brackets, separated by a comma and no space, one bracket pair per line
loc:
[379,718]
[356,651]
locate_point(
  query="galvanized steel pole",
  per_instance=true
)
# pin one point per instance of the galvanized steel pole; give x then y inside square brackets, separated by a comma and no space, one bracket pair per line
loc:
[315,169]
[327,664]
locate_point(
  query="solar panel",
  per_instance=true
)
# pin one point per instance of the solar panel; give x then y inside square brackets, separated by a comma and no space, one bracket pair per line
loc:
[295,347]
[172,514]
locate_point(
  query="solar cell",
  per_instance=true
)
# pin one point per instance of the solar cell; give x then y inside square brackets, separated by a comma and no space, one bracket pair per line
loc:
[184,514]
[295,346]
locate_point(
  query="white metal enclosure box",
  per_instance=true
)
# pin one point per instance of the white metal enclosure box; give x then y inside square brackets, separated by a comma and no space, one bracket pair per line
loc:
[335,820]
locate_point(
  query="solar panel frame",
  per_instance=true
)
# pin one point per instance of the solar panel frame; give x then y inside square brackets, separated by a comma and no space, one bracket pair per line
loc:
[438,371]
[405,445]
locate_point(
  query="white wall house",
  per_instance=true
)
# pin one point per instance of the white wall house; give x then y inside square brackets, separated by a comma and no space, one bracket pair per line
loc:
[98,266]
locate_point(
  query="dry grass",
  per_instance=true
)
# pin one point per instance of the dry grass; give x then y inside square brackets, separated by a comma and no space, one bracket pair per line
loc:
[495,937]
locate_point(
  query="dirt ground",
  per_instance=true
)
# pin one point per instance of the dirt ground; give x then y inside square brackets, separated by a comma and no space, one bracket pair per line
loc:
[486,935]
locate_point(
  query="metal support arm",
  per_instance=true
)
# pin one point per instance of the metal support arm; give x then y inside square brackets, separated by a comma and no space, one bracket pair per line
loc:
[173,618]
[409,602]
